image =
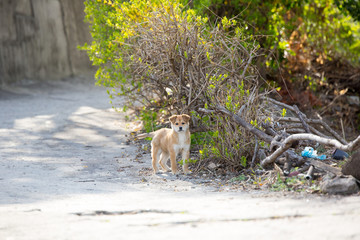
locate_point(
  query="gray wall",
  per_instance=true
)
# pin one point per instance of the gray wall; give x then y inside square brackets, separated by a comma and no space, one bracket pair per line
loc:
[39,39]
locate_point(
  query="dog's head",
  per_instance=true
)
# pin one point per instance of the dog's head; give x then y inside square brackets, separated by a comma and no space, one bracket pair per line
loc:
[180,123]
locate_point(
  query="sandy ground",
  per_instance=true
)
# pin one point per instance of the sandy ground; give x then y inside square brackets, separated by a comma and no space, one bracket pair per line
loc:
[66,172]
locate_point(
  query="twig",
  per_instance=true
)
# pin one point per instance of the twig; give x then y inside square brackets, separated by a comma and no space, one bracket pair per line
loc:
[246,67]
[245,125]
[287,164]
[295,126]
[296,130]
[305,121]
[255,153]
[284,105]
[204,110]
[342,128]
[300,116]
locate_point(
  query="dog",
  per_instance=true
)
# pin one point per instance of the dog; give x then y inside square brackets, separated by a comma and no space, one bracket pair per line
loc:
[168,143]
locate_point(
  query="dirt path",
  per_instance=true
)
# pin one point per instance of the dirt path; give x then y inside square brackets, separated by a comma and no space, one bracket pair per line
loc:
[67,173]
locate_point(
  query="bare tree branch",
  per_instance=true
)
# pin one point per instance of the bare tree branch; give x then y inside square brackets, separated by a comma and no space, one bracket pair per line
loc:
[305,121]
[316,121]
[244,124]
[286,144]
[302,120]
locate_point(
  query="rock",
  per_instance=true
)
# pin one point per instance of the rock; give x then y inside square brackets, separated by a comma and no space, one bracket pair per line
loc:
[212,165]
[261,154]
[353,100]
[340,185]
[352,166]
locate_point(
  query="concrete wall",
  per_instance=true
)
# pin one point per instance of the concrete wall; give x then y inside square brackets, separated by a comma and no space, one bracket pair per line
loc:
[39,39]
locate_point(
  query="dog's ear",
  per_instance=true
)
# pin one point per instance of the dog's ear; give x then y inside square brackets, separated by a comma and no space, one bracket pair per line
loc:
[186,117]
[173,118]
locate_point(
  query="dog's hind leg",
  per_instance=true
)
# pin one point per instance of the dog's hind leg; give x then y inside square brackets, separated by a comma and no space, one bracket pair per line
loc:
[163,159]
[155,154]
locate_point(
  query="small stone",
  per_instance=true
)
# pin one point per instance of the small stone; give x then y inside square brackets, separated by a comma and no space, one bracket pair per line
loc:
[261,154]
[212,165]
[353,100]
[352,166]
[340,185]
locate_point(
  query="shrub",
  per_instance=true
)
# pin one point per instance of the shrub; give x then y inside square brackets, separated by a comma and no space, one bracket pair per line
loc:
[171,60]
[322,28]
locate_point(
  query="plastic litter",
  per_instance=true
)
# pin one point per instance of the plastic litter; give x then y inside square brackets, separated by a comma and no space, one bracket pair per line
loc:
[339,154]
[311,153]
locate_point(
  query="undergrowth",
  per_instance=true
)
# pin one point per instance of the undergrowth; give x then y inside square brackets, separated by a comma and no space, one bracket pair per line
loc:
[166,59]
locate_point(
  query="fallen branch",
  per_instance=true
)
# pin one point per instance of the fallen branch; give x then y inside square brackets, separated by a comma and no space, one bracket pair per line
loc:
[315,121]
[286,144]
[294,128]
[258,133]
[305,121]
[284,105]
[241,122]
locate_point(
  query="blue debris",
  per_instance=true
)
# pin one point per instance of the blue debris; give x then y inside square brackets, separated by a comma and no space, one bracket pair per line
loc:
[309,152]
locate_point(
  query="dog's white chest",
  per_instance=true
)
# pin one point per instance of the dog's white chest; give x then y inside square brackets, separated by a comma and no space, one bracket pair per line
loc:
[182,145]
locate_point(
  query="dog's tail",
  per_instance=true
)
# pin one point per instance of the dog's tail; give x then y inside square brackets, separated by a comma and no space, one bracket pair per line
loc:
[145,135]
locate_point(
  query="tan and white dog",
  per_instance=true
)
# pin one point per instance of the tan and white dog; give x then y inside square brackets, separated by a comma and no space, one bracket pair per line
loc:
[168,143]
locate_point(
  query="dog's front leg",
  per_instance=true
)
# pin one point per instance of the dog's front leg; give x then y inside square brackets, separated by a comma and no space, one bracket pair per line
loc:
[186,158]
[173,161]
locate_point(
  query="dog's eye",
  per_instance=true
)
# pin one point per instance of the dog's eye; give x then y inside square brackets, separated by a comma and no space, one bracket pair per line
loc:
[182,123]
[177,123]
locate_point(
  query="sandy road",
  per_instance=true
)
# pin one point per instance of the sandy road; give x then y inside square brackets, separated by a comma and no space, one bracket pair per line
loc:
[67,173]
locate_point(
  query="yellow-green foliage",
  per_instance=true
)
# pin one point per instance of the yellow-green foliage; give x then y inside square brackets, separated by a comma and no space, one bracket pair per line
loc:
[327,28]
[113,23]
[171,60]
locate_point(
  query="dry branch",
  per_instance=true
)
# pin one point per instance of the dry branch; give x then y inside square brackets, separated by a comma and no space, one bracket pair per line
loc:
[284,105]
[302,120]
[255,153]
[305,121]
[241,122]
[315,121]
[286,144]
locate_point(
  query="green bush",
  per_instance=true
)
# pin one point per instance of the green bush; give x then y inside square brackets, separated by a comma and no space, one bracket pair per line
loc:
[322,28]
[165,58]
